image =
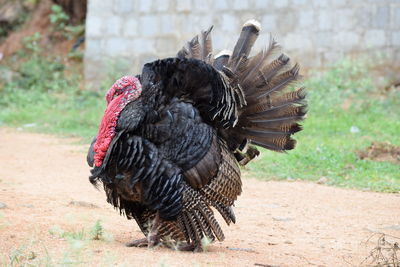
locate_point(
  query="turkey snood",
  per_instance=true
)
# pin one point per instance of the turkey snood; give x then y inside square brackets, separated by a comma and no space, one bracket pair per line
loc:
[124,91]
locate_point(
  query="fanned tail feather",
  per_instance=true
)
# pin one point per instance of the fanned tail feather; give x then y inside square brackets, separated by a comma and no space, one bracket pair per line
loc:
[248,36]
[207,46]
[272,112]
[256,99]
[259,61]
[200,47]
[221,59]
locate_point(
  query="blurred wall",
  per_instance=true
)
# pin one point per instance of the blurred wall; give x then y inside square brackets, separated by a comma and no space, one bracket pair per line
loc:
[125,34]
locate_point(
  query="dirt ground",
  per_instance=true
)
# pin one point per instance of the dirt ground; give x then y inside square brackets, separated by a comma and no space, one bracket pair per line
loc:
[278,223]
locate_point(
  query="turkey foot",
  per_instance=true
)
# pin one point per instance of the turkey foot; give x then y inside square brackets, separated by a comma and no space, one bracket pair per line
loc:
[138,243]
[152,239]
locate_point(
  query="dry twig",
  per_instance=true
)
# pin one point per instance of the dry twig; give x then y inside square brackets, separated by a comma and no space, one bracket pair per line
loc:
[385,253]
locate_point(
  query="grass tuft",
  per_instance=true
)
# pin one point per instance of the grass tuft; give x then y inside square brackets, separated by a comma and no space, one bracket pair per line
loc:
[97,232]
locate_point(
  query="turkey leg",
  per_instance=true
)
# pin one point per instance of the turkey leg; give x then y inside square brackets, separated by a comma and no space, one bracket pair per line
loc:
[152,239]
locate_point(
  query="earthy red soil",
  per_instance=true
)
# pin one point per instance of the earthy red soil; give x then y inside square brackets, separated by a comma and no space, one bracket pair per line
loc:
[37,22]
[381,151]
[44,184]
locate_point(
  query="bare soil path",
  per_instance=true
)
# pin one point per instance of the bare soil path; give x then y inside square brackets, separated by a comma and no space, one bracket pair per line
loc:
[44,185]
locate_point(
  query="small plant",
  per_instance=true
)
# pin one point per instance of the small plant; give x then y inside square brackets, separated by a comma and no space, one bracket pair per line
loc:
[56,231]
[76,55]
[78,235]
[75,31]
[58,18]
[73,235]
[31,43]
[17,256]
[27,255]
[97,231]
[205,243]
[60,21]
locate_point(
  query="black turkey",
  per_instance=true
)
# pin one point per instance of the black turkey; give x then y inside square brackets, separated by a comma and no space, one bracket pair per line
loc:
[171,140]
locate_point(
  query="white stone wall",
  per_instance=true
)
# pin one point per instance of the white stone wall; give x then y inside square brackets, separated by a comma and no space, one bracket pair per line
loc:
[128,33]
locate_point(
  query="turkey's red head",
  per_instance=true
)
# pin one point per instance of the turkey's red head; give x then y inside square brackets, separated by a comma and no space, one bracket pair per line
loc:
[124,91]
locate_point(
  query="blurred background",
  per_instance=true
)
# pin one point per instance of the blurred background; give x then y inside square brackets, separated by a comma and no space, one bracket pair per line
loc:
[58,58]
[316,33]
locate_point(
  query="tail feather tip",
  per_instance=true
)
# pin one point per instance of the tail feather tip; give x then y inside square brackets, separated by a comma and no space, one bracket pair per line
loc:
[224,52]
[253,22]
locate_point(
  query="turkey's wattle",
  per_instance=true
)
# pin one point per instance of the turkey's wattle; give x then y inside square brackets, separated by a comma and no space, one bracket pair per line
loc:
[124,91]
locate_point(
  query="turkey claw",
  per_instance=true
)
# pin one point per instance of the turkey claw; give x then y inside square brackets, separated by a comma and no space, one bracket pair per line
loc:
[138,243]
[150,241]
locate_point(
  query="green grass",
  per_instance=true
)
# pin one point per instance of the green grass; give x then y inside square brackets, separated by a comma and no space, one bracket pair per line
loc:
[327,146]
[69,113]
[77,250]
[42,98]
[96,232]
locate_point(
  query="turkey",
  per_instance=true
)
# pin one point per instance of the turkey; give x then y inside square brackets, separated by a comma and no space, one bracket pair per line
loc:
[171,140]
